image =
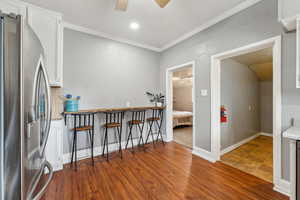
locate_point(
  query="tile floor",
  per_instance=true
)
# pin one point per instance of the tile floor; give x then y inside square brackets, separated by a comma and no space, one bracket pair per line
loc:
[254,157]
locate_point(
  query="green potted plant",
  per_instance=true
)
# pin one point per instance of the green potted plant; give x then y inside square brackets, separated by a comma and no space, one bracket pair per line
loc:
[157,99]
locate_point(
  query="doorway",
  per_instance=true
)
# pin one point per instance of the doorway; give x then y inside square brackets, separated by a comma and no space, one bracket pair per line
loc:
[180,104]
[247,117]
[216,125]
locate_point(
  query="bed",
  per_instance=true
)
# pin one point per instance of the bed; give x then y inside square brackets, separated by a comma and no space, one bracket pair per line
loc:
[182,118]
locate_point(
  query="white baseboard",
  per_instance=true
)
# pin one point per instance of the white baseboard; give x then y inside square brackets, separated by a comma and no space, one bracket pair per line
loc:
[266,134]
[204,154]
[283,186]
[86,153]
[232,147]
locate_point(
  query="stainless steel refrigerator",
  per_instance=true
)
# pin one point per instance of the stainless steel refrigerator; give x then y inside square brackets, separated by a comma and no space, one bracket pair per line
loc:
[25,112]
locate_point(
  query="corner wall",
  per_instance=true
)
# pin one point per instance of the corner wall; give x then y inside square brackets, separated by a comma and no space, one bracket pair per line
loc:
[240,94]
[106,73]
[266,106]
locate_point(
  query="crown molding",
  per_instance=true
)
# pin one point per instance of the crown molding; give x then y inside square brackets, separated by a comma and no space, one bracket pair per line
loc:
[107,36]
[240,7]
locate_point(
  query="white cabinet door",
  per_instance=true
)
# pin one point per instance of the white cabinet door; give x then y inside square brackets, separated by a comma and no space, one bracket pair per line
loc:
[54,147]
[48,27]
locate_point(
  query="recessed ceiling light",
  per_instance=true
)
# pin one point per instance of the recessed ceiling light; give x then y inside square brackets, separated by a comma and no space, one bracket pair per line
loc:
[134,26]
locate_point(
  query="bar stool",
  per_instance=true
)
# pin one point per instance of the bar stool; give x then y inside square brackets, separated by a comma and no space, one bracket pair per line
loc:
[83,122]
[155,119]
[137,120]
[113,120]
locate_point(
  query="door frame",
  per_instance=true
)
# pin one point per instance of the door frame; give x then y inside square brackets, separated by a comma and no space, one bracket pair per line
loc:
[274,43]
[169,99]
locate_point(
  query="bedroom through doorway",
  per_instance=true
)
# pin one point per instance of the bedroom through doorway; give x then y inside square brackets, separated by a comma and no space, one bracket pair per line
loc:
[182,101]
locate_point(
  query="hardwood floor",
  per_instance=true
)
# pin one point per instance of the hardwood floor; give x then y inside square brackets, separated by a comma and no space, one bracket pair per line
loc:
[254,157]
[164,173]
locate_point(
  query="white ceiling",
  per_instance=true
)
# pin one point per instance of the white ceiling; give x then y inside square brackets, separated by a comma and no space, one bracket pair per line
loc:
[257,57]
[261,62]
[159,27]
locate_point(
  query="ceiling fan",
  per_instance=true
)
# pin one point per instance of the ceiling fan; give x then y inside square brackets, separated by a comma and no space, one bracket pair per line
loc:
[122,4]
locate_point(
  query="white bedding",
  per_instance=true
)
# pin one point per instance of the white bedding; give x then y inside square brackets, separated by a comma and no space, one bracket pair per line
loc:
[179,114]
[182,118]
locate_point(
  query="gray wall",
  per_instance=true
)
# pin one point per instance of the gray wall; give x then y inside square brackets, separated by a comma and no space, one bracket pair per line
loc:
[266,106]
[254,24]
[106,73]
[241,97]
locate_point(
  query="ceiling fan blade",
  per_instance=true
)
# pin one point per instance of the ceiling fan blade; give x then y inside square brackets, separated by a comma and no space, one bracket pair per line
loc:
[162,3]
[122,5]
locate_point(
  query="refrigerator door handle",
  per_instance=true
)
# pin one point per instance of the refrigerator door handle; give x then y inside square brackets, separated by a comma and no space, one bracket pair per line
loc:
[43,189]
[48,114]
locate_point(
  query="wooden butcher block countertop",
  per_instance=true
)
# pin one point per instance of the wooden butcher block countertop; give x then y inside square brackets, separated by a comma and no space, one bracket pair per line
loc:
[102,110]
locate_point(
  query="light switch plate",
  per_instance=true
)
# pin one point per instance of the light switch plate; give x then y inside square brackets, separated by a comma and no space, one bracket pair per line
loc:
[204,93]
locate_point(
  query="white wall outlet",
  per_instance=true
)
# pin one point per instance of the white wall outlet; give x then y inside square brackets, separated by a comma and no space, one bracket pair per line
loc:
[204,93]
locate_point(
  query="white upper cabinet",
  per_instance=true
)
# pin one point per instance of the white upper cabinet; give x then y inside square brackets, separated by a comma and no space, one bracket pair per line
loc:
[48,27]
[287,13]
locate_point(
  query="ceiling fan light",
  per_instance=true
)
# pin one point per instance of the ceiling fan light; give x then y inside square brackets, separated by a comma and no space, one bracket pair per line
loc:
[162,3]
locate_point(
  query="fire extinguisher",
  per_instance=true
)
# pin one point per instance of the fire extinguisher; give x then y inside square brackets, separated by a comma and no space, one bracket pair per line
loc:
[223,114]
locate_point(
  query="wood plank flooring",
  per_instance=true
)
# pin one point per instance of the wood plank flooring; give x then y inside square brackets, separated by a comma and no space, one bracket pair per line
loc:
[167,172]
[254,157]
